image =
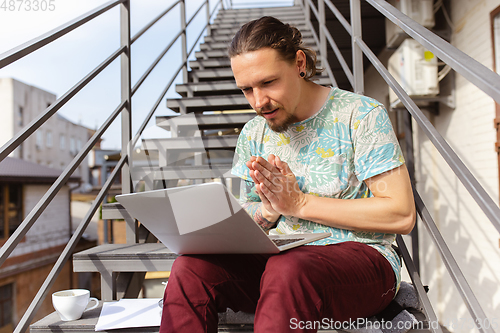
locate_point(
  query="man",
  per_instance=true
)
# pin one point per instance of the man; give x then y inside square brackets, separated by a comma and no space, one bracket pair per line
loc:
[315,159]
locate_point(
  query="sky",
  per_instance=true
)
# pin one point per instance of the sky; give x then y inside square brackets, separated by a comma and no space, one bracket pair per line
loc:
[58,66]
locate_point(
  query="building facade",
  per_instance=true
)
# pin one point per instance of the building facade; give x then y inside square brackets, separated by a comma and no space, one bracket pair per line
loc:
[468,121]
[55,143]
[22,185]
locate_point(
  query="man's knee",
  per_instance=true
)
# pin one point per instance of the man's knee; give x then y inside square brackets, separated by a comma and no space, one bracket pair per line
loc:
[195,267]
[289,269]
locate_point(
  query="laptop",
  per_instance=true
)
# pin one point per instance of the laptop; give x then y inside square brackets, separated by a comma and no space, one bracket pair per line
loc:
[205,219]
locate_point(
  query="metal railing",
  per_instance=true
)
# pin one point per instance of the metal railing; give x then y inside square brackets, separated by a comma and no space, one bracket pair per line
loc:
[123,109]
[473,71]
[477,74]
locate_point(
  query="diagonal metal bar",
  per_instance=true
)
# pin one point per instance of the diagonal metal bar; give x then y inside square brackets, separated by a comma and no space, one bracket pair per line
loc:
[153,65]
[475,189]
[49,112]
[430,315]
[340,57]
[164,92]
[150,24]
[66,253]
[35,213]
[478,74]
[194,15]
[339,16]
[470,300]
[31,46]
[162,54]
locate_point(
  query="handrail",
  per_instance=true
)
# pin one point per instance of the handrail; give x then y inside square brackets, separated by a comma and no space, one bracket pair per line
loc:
[417,283]
[31,46]
[29,129]
[28,316]
[475,189]
[456,274]
[475,72]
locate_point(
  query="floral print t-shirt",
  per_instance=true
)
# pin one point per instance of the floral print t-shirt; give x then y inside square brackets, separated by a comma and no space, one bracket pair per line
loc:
[348,140]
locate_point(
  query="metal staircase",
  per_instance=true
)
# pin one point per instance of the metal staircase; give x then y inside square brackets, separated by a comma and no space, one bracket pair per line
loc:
[210,114]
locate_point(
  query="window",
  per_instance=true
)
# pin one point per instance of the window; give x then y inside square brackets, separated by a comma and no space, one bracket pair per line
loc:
[6,305]
[72,147]
[49,139]
[11,211]
[39,139]
[62,142]
[20,112]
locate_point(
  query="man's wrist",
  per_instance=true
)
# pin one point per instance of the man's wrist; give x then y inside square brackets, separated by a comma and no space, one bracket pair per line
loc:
[270,217]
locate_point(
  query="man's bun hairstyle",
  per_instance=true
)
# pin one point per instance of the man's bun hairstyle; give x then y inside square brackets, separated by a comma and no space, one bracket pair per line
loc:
[270,32]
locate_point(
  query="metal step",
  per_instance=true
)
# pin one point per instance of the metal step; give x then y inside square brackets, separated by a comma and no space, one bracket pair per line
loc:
[297,21]
[191,143]
[228,37]
[224,45]
[210,74]
[210,63]
[204,121]
[208,103]
[222,53]
[232,31]
[241,19]
[271,11]
[194,172]
[227,87]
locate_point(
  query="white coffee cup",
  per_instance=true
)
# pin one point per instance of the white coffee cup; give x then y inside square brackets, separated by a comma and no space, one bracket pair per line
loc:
[70,304]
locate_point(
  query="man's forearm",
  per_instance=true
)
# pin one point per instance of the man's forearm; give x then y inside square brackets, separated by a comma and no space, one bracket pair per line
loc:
[255,211]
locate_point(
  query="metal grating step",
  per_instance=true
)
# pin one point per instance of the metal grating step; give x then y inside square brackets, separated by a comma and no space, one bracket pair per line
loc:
[224,45]
[226,87]
[228,37]
[210,63]
[208,103]
[210,74]
[191,143]
[229,31]
[259,11]
[204,121]
[297,21]
[228,322]
[222,53]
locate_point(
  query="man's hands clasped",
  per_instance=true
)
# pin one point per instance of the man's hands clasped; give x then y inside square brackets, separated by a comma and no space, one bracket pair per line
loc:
[276,186]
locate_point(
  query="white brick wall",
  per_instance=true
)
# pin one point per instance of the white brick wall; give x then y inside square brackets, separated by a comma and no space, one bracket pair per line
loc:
[52,228]
[469,131]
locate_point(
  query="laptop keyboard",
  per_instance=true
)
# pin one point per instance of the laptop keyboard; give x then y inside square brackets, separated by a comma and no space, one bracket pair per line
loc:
[284,241]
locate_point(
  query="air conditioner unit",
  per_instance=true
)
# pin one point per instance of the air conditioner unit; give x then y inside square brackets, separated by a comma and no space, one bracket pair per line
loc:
[421,11]
[415,69]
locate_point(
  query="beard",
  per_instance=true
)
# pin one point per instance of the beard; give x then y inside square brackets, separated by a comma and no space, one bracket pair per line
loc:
[275,126]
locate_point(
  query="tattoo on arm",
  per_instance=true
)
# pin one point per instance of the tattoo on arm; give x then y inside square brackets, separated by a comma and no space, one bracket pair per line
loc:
[250,201]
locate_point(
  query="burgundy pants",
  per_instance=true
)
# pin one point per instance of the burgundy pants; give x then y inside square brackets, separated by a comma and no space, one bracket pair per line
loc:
[286,291]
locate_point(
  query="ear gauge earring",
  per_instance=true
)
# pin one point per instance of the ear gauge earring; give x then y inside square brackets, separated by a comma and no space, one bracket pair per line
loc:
[302,74]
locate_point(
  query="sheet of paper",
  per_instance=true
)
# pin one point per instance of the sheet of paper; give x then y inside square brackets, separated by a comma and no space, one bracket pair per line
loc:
[141,312]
